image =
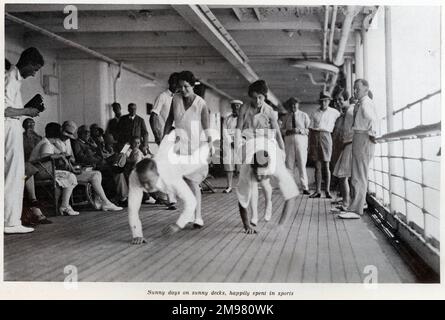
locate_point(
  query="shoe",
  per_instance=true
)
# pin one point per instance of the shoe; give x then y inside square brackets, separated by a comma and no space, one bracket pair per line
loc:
[328,195]
[254,222]
[349,215]
[36,214]
[111,207]
[335,210]
[97,203]
[198,224]
[315,195]
[171,206]
[306,192]
[17,229]
[123,203]
[45,221]
[68,211]
[342,208]
[268,213]
[228,190]
[152,201]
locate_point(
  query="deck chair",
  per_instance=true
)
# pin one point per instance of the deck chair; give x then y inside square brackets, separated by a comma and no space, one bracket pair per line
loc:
[48,186]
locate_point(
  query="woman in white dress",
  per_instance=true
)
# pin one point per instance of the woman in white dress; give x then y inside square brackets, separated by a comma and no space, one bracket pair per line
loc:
[191,116]
[258,119]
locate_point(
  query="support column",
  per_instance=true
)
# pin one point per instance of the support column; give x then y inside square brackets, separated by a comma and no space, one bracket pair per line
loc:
[358,56]
[348,74]
[389,96]
[365,53]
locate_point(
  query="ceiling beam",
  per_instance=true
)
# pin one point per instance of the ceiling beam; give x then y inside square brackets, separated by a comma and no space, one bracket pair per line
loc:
[237,13]
[208,26]
[26,7]
[258,14]
[123,22]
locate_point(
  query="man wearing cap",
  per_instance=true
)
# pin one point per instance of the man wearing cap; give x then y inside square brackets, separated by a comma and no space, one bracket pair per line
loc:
[295,129]
[363,142]
[263,159]
[29,63]
[322,124]
[229,128]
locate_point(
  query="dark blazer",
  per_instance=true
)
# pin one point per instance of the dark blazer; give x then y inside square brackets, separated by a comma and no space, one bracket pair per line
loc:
[127,128]
[85,154]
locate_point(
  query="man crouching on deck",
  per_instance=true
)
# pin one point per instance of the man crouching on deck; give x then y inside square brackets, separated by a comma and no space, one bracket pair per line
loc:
[166,173]
[263,159]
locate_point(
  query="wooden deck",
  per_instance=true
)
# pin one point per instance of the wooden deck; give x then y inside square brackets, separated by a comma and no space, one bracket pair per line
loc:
[315,246]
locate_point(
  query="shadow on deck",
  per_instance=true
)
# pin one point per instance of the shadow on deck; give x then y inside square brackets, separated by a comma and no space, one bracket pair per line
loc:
[315,246]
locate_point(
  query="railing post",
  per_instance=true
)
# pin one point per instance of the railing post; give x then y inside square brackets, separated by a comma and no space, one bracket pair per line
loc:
[389,97]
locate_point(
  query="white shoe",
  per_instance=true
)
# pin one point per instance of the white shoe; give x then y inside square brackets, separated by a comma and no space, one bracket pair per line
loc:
[349,215]
[268,213]
[150,201]
[68,211]
[18,229]
[254,222]
[111,207]
[97,203]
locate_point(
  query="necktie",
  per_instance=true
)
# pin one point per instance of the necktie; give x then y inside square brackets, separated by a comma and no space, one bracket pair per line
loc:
[294,121]
[357,105]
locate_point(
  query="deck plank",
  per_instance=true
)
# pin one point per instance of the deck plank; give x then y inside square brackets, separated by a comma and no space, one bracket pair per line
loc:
[314,246]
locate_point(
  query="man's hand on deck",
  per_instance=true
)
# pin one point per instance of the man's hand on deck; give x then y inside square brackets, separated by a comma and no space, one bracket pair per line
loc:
[250,230]
[139,240]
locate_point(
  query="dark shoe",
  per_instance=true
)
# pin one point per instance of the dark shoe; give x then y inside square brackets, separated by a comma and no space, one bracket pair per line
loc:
[315,195]
[45,221]
[306,192]
[171,206]
[328,195]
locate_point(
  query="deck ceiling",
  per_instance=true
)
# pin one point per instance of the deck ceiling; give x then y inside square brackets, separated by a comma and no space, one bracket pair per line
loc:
[159,40]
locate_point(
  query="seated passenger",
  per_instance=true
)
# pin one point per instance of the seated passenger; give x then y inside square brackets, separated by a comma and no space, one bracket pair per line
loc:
[88,155]
[64,179]
[94,177]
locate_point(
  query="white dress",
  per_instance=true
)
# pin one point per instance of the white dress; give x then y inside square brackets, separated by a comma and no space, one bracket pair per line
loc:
[189,131]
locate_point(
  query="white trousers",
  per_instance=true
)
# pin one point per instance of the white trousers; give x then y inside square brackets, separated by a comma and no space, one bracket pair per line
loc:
[14,172]
[296,155]
[362,153]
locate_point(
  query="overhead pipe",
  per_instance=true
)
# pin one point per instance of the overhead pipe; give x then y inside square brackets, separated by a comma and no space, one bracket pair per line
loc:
[351,12]
[315,83]
[331,36]
[97,54]
[325,30]
[78,46]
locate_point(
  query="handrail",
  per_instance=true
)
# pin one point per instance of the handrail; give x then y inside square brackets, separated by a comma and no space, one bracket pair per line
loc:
[409,105]
[417,132]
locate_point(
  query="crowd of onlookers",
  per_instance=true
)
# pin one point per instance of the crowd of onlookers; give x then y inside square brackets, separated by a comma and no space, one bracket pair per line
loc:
[84,154]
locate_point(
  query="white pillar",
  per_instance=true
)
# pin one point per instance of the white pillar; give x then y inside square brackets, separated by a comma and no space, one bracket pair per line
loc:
[389,97]
[358,56]
[365,53]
